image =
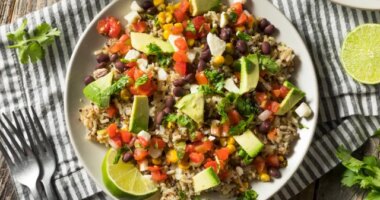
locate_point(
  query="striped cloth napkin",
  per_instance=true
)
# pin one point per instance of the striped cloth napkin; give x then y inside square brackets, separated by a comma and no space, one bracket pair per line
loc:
[349,112]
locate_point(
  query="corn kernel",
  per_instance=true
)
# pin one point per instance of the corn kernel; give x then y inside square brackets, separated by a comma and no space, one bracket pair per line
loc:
[246,184]
[231,148]
[264,177]
[168,17]
[101,132]
[161,17]
[158,2]
[229,47]
[170,125]
[228,60]
[240,28]
[190,42]
[156,161]
[170,8]
[125,95]
[166,34]
[184,165]
[231,140]
[167,27]
[178,25]
[171,156]
[223,141]
[218,61]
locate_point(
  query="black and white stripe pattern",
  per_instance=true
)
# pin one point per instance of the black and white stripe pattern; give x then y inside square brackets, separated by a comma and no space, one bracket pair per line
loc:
[349,112]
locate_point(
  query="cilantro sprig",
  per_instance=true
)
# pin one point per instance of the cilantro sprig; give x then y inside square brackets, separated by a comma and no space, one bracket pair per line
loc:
[141,80]
[30,47]
[162,59]
[248,195]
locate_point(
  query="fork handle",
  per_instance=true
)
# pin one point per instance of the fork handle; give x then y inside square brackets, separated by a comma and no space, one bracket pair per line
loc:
[49,190]
[34,191]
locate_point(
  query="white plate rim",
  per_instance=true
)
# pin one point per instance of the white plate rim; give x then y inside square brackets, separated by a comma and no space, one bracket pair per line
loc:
[360,4]
[66,97]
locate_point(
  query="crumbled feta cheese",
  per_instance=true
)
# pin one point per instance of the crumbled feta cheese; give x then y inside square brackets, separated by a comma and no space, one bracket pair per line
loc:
[303,110]
[161,74]
[216,45]
[178,174]
[132,55]
[230,86]
[135,6]
[132,17]
[211,138]
[144,135]
[172,39]
[191,54]
[194,88]
[143,64]
[143,165]
[240,1]
[223,20]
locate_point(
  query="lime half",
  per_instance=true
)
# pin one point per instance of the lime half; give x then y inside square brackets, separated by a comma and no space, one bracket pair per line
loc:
[361,53]
[124,180]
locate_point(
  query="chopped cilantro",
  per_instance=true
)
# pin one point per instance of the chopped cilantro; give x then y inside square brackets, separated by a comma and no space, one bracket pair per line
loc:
[162,59]
[245,106]
[181,120]
[233,17]
[241,126]
[141,80]
[225,104]
[243,36]
[190,26]
[248,195]
[171,118]
[215,78]
[269,64]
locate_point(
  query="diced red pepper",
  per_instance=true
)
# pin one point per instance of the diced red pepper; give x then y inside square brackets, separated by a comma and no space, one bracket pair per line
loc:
[139,26]
[181,44]
[122,46]
[241,20]
[112,130]
[181,12]
[237,7]
[142,141]
[116,142]
[222,153]
[140,154]
[212,164]
[203,147]
[283,91]
[126,136]
[109,26]
[132,64]
[197,157]
[112,111]
[273,106]
[180,68]
[198,22]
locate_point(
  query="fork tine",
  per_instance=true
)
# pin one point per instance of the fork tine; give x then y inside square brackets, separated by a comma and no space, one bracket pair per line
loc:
[36,120]
[5,153]
[34,131]
[14,153]
[25,125]
[15,143]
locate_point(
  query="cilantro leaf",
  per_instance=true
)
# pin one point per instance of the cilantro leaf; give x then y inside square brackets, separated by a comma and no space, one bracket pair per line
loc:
[233,17]
[269,64]
[162,59]
[243,36]
[373,195]
[248,195]
[141,80]
[185,121]
[190,27]
[170,118]
[208,90]
[225,104]
[30,47]
[215,78]
[245,106]
[241,126]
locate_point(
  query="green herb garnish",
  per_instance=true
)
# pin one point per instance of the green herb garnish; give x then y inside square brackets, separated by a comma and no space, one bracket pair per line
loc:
[243,36]
[248,195]
[269,64]
[215,78]
[233,17]
[30,47]
[162,59]
[141,80]
[190,27]
[241,126]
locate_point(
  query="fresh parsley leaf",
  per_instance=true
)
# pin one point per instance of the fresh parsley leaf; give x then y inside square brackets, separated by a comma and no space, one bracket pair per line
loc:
[245,106]
[241,126]
[233,17]
[30,47]
[248,195]
[269,64]
[243,36]
[141,80]
[162,59]
[190,27]
[215,78]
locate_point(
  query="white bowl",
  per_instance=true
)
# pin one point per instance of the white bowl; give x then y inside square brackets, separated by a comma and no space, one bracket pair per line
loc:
[83,61]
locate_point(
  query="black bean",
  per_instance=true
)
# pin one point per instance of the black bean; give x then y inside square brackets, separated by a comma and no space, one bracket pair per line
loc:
[167,110]
[274,172]
[201,65]
[101,65]
[127,156]
[120,66]
[152,10]
[269,30]
[263,23]
[265,48]
[190,78]
[205,47]
[190,68]
[225,33]
[241,46]
[160,116]
[264,127]
[179,91]
[170,101]
[102,58]
[88,80]
[179,82]
[145,4]
[205,55]
[114,57]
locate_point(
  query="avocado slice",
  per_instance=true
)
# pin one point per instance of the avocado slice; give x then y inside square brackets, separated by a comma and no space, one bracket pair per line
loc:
[198,7]
[292,98]
[205,179]
[193,106]
[249,142]
[249,73]
[140,114]
[95,90]
[140,41]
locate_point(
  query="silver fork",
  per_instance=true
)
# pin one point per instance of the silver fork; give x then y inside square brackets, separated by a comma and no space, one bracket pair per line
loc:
[21,160]
[42,148]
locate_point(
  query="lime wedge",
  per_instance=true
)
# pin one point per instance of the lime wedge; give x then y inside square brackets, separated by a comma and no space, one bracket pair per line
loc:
[360,54]
[124,180]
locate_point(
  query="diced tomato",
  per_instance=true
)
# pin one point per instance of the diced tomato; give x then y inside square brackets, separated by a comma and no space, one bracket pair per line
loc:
[273,106]
[190,148]
[159,176]
[146,89]
[226,128]
[157,142]
[142,141]
[261,97]
[222,153]
[283,91]
[198,136]
[237,7]
[154,168]
[139,26]
[276,92]
[204,147]
[132,64]
[234,116]
[198,22]
[137,73]
[109,26]
[212,164]
[259,164]
[130,72]
[112,111]
[116,142]
[181,44]
[272,160]
[197,157]
[201,78]
[140,154]
[272,135]
[180,56]
[126,136]
[177,30]
[241,20]
[180,68]
[122,46]
[112,130]
[190,35]
[181,11]
[204,30]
